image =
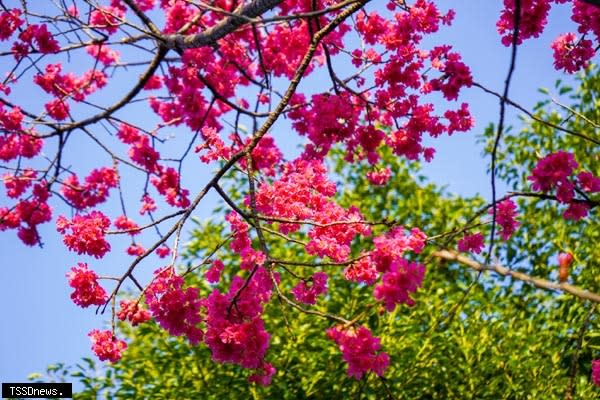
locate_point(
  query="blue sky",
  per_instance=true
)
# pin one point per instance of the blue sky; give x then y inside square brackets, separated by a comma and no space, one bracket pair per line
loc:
[42,326]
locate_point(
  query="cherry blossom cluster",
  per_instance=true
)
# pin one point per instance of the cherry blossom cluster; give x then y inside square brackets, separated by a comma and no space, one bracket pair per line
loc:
[65,86]
[471,243]
[17,184]
[87,289]
[242,244]
[363,270]
[177,310]
[106,346]
[132,311]
[28,213]
[361,350]
[213,274]
[141,151]
[506,213]
[555,172]
[166,180]
[596,372]
[308,293]
[10,21]
[17,140]
[84,233]
[235,332]
[571,53]
[398,282]
[36,37]
[94,191]
[399,277]
[265,157]
[304,193]
[168,184]
[125,224]
[107,18]
[379,178]
[103,54]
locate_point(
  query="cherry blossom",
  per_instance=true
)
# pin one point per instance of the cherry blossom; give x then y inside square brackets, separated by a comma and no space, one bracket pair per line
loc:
[106,346]
[360,349]
[471,243]
[87,290]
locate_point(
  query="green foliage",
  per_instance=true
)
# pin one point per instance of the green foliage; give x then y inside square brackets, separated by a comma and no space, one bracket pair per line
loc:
[504,340]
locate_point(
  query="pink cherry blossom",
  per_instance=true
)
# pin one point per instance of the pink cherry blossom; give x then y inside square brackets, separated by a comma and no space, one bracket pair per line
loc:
[361,350]
[106,346]
[87,289]
[398,282]
[471,243]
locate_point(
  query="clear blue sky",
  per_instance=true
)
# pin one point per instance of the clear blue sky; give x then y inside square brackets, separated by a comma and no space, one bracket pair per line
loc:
[40,324]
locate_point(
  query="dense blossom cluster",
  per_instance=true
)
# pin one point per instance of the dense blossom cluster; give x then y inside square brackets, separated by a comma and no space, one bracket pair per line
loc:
[471,243]
[303,193]
[163,251]
[93,191]
[103,53]
[87,289]
[213,274]
[596,372]
[34,36]
[84,233]
[17,140]
[27,214]
[401,279]
[390,247]
[379,178]
[17,184]
[10,21]
[266,156]
[106,346]
[168,184]
[65,86]
[242,244]
[363,270]
[132,311]
[177,310]
[308,293]
[555,172]
[107,18]
[570,53]
[141,152]
[532,19]
[361,350]
[588,17]
[135,250]
[235,332]
[552,172]
[506,212]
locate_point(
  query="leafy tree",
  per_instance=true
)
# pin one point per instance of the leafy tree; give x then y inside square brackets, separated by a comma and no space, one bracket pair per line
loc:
[342,261]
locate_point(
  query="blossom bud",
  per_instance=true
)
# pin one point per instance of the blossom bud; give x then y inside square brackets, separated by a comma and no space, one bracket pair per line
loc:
[564,262]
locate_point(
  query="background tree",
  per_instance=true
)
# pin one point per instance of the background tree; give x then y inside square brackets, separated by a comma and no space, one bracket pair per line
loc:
[290,236]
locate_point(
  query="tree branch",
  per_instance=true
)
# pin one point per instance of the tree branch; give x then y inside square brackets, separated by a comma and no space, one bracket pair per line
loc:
[222,29]
[503,271]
